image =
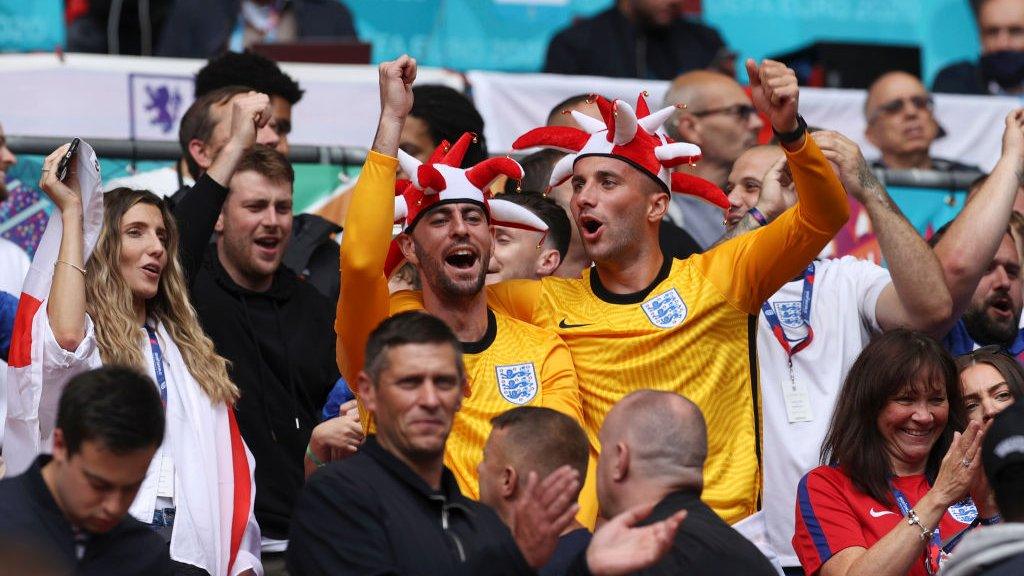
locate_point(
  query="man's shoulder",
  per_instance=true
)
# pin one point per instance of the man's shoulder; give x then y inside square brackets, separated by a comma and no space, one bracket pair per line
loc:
[962,77]
[693,28]
[1013,566]
[584,28]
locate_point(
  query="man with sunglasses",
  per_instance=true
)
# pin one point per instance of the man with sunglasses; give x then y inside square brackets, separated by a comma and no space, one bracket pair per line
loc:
[901,124]
[719,118]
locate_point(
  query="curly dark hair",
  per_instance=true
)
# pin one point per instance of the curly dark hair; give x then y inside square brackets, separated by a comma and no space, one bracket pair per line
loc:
[448,114]
[247,69]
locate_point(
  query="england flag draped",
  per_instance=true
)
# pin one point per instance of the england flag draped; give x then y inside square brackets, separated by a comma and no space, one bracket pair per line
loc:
[19,415]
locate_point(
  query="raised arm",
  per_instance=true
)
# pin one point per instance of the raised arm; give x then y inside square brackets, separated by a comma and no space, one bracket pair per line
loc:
[917,297]
[196,214]
[65,306]
[967,248]
[767,258]
[363,302]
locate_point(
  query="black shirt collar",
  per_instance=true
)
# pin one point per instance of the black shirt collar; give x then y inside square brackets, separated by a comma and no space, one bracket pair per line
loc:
[633,297]
[484,342]
[449,487]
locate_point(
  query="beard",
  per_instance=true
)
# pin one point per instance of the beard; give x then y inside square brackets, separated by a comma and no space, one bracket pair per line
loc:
[433,275]
[984,330]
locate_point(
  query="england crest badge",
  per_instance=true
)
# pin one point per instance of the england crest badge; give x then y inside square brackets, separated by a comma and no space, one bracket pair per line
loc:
[964,511]
[792,320]
[517,382]
[666,309]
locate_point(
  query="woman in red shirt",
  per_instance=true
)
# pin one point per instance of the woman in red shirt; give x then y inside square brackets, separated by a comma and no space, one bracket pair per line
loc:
[893,497]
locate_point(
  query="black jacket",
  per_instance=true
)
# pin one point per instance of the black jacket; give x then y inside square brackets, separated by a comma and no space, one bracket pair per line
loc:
[608,44]
[704,543]
[960,78]
[281,347]
[33,528]
[371,514]
[202,28]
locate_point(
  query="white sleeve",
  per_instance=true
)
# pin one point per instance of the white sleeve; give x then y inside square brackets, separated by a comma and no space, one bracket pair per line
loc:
[867,282]
[58,366]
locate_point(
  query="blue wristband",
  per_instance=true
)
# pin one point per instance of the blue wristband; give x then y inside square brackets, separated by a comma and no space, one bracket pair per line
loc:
[990,521]
[757,215]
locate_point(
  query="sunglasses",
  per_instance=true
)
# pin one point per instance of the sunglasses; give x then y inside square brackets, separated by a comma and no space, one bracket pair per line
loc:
[893,107]
[741,111]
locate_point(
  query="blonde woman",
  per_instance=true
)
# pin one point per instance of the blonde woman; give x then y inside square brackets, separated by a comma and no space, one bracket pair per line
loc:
[127,304]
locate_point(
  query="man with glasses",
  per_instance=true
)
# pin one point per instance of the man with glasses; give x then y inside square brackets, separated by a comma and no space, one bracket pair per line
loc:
[901,124]
[719,118]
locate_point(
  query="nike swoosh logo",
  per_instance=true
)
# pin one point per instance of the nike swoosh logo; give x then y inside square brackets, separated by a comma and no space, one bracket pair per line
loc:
[563,325]
[879,514]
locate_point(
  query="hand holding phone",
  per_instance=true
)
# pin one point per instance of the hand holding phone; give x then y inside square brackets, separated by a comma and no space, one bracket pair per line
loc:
[64,166]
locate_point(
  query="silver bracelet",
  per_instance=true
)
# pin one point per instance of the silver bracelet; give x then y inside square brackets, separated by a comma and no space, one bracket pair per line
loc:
[913,520]
[66,263]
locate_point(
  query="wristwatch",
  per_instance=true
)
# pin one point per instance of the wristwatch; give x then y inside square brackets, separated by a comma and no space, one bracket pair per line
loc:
[790,137]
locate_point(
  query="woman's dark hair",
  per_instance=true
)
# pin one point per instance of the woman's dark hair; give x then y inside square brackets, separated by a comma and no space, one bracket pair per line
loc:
[888,365]
[996,357]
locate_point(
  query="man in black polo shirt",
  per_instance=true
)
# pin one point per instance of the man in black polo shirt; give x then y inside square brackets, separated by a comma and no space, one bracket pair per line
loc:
[653,446]
[69,511]
[393,508]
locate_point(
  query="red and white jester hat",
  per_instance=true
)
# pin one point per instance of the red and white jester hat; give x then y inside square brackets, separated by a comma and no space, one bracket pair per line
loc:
[440,181]
[634,136]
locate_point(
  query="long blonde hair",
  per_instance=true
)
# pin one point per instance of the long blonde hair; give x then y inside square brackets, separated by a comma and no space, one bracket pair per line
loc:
[109,302]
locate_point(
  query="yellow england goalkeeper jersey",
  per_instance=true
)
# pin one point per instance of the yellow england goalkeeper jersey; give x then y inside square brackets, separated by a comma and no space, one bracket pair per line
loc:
[693,330]
[514,364]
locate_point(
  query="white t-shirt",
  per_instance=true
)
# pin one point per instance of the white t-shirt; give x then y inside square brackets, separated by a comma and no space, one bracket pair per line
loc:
[843,320]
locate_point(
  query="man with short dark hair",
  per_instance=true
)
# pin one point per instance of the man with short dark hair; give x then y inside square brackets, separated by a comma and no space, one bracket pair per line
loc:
[528,254]
[275,330]
[653,450]
[447,236]
[395,508]
[1000,69]
[998,549]
[641,319]
[70,510]
[540,440]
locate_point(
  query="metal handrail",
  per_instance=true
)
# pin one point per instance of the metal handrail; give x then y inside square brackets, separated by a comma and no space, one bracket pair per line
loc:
[169,150]
[355,156]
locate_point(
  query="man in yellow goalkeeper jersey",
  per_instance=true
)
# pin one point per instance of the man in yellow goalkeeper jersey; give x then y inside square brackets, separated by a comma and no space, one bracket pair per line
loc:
[446,218]
[638,319]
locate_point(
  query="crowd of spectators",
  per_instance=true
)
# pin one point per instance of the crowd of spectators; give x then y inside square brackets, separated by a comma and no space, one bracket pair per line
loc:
[622,354]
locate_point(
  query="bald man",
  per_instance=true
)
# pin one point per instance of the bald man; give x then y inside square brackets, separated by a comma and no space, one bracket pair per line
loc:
[720,118]
[653,450]
[901,124]
[746,180]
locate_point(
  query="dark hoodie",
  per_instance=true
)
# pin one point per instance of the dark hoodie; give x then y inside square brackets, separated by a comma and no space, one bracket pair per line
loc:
[281,347]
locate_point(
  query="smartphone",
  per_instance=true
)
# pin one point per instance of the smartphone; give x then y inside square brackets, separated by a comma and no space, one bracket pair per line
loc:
[64,166]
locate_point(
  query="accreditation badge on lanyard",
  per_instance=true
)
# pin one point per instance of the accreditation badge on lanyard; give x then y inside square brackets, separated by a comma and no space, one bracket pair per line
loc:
[794,392]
